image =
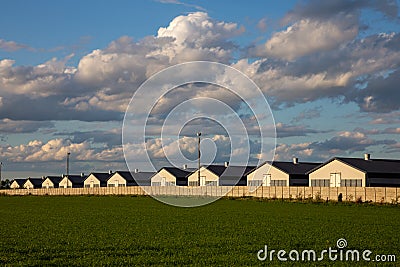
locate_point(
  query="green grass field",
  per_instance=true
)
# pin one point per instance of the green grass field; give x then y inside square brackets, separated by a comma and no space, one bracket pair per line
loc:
[139,231]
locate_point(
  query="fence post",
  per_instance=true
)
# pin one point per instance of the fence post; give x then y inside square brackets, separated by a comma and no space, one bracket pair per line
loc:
[365,194]
[355,193]
[385,195]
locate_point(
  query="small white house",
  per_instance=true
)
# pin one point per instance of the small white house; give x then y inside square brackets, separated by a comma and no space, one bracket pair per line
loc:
[17,183]
[220,175]
[281,173]
[171,176]
[72,181]
[345,172]
[208,176]
[121,179]
[97,179]
[32,183]
[51,181]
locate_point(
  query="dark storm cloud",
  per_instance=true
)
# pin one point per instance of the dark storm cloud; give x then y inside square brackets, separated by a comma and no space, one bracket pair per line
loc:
[324,9]
[10,126]
[284,130]
[110,138]
[343,144]
[22,107]
[381,94]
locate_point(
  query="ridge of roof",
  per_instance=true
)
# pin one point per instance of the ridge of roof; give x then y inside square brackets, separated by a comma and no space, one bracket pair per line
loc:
[230,170]
[177,172]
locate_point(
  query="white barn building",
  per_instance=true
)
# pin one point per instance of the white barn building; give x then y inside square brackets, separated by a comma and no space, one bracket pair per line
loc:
[281,173]
[51,181]
[171,176]
[220,175]
[97,179]
[121,179]
[365,172]
[72,181]
[17,183]
[32,183]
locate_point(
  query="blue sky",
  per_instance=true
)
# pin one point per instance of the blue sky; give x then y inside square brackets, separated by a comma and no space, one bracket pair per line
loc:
[330,70]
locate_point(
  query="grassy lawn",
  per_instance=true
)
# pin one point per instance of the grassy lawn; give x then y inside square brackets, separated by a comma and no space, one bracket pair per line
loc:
[112,230]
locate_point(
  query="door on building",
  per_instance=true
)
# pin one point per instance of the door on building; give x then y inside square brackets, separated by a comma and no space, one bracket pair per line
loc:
[267,180]
[163,181]
[335,180]
[116,183]
[202,180]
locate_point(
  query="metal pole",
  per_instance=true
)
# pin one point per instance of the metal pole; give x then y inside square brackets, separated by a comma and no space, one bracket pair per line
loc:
[68,167]
[198,148]
[68,163]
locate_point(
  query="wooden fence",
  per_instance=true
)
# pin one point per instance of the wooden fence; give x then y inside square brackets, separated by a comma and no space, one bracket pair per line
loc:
[374,194]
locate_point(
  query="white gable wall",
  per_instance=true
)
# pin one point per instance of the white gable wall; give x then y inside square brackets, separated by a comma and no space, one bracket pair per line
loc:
[65,182]
[163,178]
[14,185]
[206,177]
[116,181]
[28,184]
[47,183]
[266,172]
[336,170]
[91,181]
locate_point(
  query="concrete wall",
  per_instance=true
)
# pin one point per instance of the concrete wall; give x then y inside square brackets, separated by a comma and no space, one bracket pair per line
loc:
[374,194]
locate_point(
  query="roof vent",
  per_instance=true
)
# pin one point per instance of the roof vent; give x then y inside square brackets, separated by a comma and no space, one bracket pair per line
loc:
[367,156]
[226,164]
[295,160]
[136,170]
[110,172]
[184,166]
[82,174]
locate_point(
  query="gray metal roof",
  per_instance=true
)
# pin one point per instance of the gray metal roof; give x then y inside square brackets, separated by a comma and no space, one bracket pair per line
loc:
[300,168]
[101,176]
[76,179]
[124,174]
[54,179]
[142,176]
[37,182]
[373,165]
[19,181]
[230,171]
[177,172]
